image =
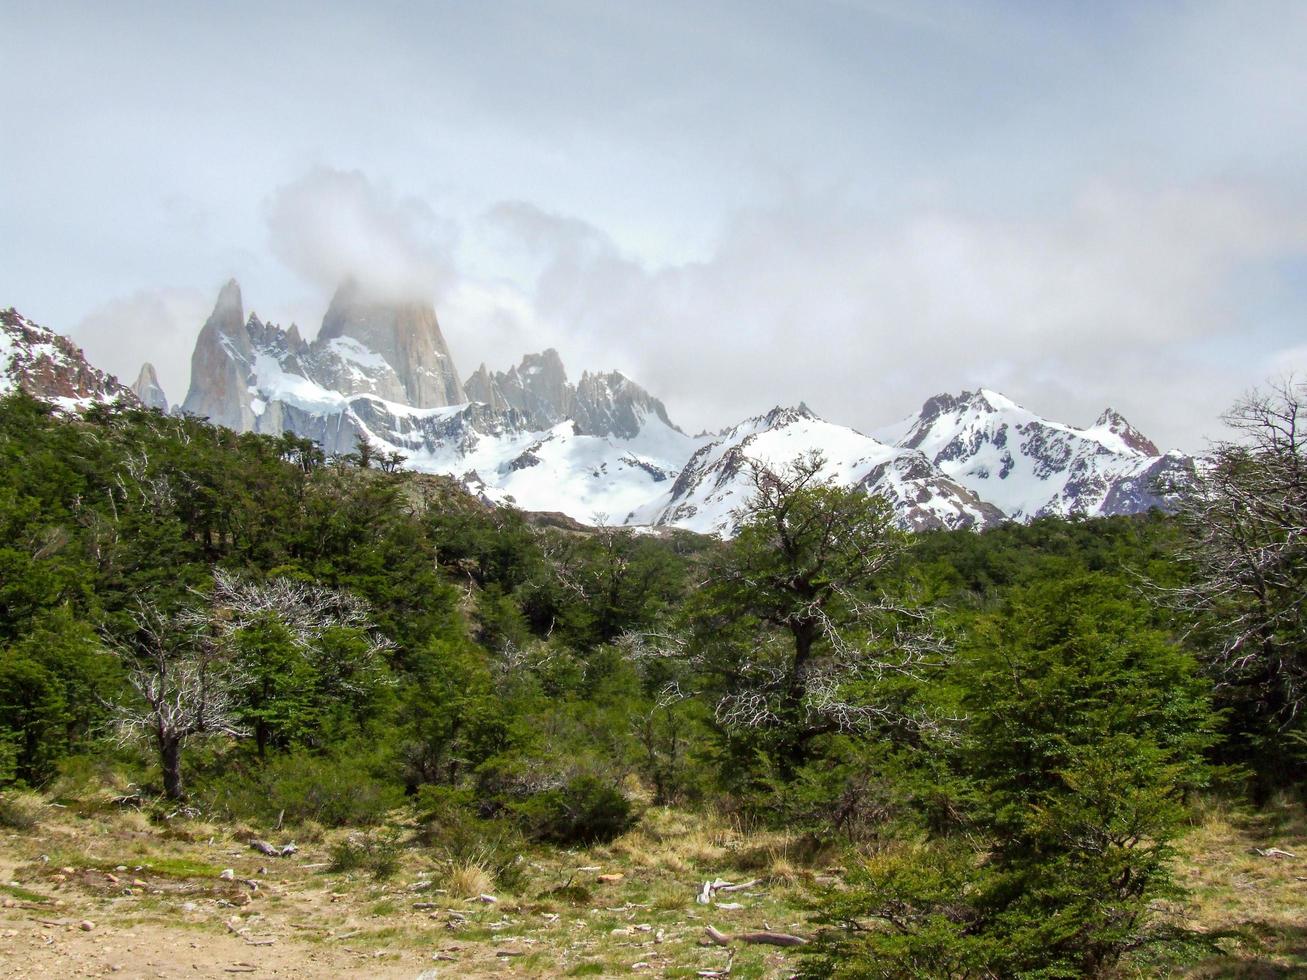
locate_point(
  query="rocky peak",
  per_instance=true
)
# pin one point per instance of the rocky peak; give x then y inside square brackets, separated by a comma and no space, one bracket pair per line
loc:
[221,364]
[783,415]
[1114,422]
[941,404]
[405,335]
[611,404]
[484,387]
[51,367]
[148,389]
[294,341]
[538,388]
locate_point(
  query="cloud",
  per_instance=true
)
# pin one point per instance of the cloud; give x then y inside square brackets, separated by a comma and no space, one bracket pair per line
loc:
[330,225]
[157,325]
[1112,299]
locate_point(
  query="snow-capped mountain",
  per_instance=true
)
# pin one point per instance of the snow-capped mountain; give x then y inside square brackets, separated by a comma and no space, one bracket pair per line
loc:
[49,366]
[604,448]
[717,479]
[384,374]
[253,376]
[1030,467]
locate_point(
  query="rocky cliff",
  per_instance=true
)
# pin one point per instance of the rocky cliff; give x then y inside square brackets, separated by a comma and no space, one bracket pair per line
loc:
[49,366]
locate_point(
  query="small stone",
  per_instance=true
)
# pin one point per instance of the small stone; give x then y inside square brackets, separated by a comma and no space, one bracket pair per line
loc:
[121,867]
[137,883]
[86,925]
[611,879]
[228,874]
[68,871]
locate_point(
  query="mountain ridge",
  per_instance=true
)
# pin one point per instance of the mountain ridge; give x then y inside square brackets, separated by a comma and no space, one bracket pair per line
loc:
[605,449]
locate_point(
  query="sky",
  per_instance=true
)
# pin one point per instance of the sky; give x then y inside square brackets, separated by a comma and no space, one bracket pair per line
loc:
[853,203]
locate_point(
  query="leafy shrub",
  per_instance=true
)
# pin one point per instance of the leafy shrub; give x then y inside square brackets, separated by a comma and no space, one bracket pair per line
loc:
[586,810]
[448,823]
[376,853]
[335,791]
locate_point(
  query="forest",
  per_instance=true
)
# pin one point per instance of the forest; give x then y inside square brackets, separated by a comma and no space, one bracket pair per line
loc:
[1000,741]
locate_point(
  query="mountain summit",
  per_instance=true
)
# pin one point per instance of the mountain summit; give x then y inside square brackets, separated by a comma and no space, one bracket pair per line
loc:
[387,348]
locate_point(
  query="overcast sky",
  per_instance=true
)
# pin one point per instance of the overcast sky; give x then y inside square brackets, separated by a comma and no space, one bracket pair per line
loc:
[856,203]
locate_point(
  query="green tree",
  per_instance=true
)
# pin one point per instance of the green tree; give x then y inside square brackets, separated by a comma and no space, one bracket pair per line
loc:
[1085,729]
[795,627]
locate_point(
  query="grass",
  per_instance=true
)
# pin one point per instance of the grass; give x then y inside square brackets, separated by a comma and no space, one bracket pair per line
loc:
[1245,915]
[23,895]
[469,879]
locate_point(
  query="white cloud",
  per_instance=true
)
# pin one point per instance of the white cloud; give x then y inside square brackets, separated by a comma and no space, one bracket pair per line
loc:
[1098,304]
[331,224]
[158,325]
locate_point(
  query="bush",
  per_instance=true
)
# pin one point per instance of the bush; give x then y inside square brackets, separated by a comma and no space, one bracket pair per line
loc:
[377,853]
[448,823]
[297,787]
[20,810]
[585,811]
[1085,729]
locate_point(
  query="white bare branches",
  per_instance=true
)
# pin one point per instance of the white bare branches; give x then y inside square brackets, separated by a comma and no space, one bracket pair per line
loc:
[306,610]
[183,667]
[800,621]
[179,675]
[1247,519]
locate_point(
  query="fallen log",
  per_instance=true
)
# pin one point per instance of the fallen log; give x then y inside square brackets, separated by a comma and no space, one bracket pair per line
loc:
[711,888]
[764,938]
[272,851]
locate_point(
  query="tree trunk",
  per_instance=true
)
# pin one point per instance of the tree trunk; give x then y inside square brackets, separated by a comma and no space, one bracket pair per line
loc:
[170,755]
[794,750]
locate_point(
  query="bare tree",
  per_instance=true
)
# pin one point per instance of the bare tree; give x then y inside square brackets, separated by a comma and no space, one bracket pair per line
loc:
[182,663]
[1246,514]
[183,679]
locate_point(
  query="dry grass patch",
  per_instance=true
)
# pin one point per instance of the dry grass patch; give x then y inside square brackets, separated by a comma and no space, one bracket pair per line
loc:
[1251,906]
[21,810]
[468,879]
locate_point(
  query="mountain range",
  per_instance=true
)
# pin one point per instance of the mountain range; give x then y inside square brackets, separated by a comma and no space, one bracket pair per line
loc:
[603,449]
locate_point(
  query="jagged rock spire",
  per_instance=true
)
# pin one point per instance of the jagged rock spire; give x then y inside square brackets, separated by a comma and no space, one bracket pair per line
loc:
[148,389]
[221,364]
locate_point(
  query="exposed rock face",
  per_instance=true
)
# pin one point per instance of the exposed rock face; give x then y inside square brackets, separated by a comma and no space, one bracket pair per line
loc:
[51,367]
[254,376]
[148,389]
[607,404]
[538,388]
[613,404]
[222,364]
[394,350]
